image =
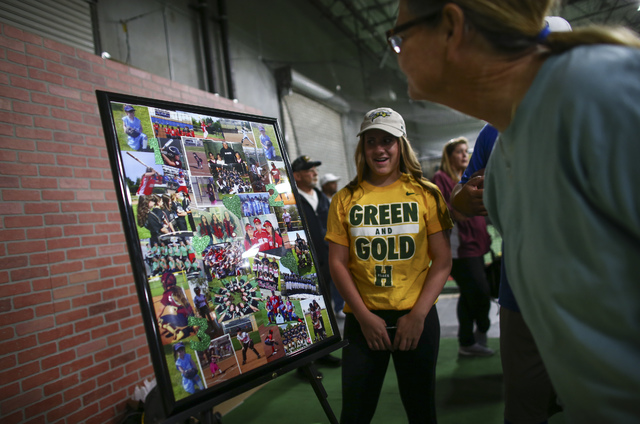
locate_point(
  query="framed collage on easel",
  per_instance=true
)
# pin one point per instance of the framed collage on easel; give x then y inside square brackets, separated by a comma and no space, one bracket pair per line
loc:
[228,286]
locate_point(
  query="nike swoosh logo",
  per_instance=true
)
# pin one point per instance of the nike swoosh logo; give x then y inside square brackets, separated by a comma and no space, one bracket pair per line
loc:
[409,194]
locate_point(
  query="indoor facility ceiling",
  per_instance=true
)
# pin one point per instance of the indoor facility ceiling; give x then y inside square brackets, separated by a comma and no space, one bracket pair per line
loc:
[366,21]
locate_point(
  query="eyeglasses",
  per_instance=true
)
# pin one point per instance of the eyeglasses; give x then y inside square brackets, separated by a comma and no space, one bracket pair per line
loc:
[395,40]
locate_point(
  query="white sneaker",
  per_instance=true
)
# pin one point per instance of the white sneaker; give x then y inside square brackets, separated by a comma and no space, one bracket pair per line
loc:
[481,338]
[475,350]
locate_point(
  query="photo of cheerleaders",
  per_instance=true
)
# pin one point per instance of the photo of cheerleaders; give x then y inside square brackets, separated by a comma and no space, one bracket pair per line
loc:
[229,226]
[389,293]
[151,216]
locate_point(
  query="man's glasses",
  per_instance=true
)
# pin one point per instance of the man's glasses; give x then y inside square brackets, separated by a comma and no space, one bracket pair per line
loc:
[393,37]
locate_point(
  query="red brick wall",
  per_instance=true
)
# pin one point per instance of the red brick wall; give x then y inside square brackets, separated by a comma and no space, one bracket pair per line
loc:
[72,345]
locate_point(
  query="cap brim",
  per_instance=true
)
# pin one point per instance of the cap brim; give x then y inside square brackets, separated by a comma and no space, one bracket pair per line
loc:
[386,128]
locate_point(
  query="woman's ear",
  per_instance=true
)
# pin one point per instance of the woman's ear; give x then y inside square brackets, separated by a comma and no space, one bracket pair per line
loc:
[455,29]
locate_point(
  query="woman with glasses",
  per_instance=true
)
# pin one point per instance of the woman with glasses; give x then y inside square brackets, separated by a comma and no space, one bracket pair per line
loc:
[560,184]
[389,257]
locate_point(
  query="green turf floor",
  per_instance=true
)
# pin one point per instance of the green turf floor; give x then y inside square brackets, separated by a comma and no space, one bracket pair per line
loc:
[468,390]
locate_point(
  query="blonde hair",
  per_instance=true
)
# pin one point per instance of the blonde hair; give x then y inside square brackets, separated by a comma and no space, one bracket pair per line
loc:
[512,26]
[408,164]
[447,151]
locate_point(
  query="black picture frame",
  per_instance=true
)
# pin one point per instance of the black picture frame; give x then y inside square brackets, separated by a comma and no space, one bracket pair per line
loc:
[157,148]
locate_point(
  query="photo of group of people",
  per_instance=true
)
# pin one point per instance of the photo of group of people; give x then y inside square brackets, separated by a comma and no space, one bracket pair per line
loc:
[229,270]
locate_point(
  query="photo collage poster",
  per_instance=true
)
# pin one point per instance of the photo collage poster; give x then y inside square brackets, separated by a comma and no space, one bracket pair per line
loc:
[227,260]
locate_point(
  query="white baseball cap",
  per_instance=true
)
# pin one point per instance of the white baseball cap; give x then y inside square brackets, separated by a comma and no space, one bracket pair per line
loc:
[385,119]
[328,178]
[558,24]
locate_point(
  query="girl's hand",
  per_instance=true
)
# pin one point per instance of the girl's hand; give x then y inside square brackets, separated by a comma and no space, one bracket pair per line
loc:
[409,330]
[374,329]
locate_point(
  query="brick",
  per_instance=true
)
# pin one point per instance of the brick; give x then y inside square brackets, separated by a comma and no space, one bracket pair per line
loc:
[47,99]
[11,208]
[12,32]
[19,169]
[81,253]
[22,248]
[16,118]
[72,342]
[82,128]
[56,68]
[37,410]
[102,308]
[28,84]
[86,300]
[118,86]
[79,390]
[87,173]
[76,63]
[34,326]
[84,55]
[92,78]
[64,243]
[64,92]
[86,413]
[9,290]
[20,302]
[66,114]
[61,384]
[105,331]
[91,372]
[36,158]
[23,221]
[120,67]
[46,258]
[13,68]
[113,374]
[38,183]
[29,273]
[40,379]
[30,108]
[57,194]
[101,70]
[9,390]
[59,47]
[21,401]
[87,324]
[92,120]
[66,267]
[41,208]
[10,182]
[60,219]
[91,196]
[64,410]
[11,43]
[45,76]
[6,129]
[18,345]
[73,183]
[65,292]
[53,147]
[44,310]
[78,85]
[76,230]
[32,133]
[68,137]
[59,358]
[116,316]
[54,124]
[56,333]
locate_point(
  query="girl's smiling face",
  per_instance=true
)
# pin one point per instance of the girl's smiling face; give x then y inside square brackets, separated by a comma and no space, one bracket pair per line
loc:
[382,155]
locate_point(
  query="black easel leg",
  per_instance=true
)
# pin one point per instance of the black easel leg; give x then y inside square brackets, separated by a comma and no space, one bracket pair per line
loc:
[321,393]
[208,417]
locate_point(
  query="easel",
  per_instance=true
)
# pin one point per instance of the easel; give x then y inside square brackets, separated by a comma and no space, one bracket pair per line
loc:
[204,412]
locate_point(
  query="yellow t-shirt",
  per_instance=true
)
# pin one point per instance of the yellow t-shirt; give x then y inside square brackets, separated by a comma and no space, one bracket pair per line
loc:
[386,230]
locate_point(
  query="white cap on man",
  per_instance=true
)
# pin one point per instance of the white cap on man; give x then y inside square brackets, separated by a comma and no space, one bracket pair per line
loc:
[328,178]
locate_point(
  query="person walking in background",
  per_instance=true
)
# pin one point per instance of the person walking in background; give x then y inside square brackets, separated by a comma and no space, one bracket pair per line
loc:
[390,283]
[469,243]
[559,184]
[329,185]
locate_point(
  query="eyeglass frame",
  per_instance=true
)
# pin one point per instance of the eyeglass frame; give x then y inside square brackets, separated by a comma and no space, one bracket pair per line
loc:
[395,41]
